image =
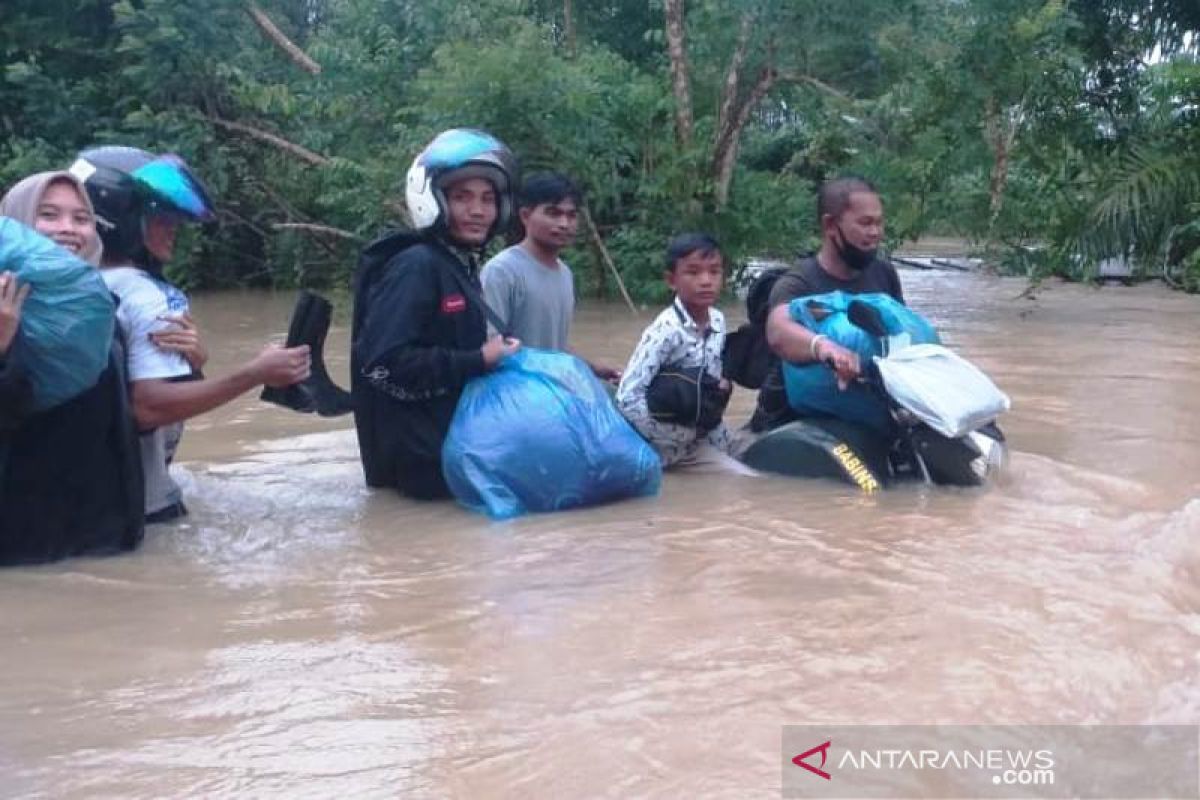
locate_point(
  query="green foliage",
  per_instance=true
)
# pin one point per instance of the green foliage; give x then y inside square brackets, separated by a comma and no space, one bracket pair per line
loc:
[1187,239]
[1103,151]
[1141,199]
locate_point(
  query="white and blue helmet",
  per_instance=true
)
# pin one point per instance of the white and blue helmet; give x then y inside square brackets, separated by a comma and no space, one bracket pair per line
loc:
[452,156]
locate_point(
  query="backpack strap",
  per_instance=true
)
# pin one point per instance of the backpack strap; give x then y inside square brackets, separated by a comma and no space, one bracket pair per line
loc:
[468,287]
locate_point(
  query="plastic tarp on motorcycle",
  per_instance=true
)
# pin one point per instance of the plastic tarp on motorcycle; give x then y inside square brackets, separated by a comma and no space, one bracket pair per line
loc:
[541,434]
[812,388]
[945,391]
[67,320]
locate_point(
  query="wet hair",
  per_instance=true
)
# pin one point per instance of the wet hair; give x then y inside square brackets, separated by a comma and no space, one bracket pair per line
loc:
[549,188]
[685,244]
[834,195]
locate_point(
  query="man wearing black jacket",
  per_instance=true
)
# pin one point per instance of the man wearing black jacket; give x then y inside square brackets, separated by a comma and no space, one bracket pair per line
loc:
[420,329]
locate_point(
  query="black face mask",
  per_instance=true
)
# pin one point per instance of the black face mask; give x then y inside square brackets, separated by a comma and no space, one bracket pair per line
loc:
[853,256]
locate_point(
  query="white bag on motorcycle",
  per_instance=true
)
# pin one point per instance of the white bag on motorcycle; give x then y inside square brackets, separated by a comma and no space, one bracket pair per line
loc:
[945,391]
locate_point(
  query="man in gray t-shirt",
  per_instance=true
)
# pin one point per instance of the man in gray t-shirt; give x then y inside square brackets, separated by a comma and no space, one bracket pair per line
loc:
[536,300]
[528,285]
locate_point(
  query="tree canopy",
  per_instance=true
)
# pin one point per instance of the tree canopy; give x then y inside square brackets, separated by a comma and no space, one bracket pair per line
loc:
[1054,132]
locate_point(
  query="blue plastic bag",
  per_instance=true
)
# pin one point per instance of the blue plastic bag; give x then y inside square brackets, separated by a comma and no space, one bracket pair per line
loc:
[540,433]
[67,320]
[813,389]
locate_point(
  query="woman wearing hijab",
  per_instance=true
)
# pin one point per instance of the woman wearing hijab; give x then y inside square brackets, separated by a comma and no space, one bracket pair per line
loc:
[70,475]
[51,204]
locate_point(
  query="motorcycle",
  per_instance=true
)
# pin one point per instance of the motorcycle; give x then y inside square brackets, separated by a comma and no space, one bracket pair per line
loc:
[914,449]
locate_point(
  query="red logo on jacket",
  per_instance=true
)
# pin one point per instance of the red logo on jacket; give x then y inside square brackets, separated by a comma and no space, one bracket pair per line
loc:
[454,304]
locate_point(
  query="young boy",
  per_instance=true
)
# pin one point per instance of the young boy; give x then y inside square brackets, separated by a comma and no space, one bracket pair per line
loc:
[528,286]
[689,334]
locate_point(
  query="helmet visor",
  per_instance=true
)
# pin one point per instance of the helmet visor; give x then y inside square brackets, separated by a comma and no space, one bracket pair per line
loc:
[169,181]
[456,147]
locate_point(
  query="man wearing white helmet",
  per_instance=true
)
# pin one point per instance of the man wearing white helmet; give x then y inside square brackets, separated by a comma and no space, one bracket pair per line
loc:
[419,330]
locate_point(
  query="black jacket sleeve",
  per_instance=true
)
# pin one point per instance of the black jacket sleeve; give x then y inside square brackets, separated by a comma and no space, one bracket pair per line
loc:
[16,393]
[400,356]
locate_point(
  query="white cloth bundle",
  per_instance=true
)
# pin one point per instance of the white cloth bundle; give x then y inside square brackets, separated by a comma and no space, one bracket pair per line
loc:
[943,390]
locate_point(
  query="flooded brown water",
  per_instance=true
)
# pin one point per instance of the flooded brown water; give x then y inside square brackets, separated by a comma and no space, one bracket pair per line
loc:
[302,637]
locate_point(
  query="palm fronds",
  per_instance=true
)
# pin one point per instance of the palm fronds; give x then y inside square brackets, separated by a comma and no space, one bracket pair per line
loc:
[1141,200]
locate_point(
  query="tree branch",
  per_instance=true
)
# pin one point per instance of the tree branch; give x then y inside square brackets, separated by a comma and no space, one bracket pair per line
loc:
[725,158]
[315,228]
[300,152]
[816,83]
[240,219]
[1015,119]
[278,200]
[733,80]
[768,76]
[596,240]
[280,40]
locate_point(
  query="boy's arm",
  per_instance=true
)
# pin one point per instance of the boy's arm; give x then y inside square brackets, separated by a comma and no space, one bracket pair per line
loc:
[396,359]
[671,441]
[643,365]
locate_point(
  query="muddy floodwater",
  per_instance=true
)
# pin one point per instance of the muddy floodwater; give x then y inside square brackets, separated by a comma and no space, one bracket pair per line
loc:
[299,636]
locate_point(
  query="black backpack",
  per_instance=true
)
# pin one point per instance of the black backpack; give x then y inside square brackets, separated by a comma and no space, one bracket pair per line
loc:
[687,396]
[747,359]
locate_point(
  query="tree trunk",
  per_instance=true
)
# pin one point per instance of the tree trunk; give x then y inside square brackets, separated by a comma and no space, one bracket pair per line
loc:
[569,27]
[725,155]
[733,83]
[1000,130]
[997,184]
[680,73]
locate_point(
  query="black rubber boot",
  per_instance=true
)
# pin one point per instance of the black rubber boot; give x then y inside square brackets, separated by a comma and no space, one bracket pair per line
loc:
[310,325]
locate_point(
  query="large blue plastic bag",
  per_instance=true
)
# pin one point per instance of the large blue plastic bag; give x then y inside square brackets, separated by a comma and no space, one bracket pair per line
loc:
[67,320]
[540,433]
[812,388]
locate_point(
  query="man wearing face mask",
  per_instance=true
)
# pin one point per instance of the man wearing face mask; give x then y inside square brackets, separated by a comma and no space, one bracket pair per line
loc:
[850,214]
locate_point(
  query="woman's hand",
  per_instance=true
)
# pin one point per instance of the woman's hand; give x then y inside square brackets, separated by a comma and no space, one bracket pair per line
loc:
[12,297]
[183,338]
